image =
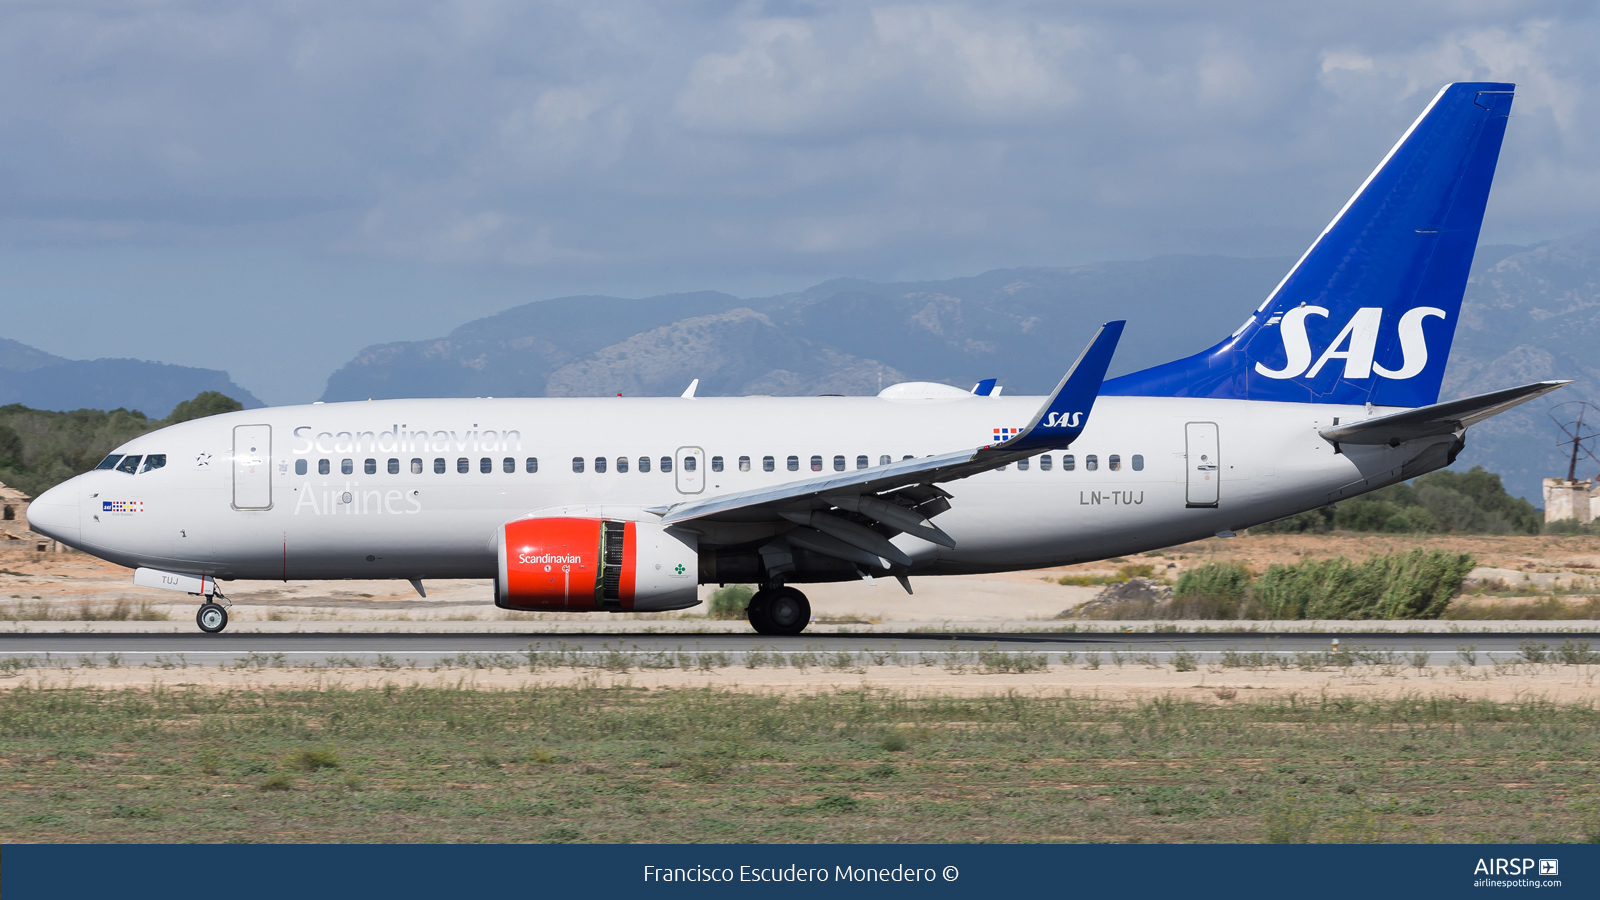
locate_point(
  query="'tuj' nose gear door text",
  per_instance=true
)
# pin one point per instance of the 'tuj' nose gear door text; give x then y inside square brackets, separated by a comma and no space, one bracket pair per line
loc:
[252,475]
[691,470]
[1203,463]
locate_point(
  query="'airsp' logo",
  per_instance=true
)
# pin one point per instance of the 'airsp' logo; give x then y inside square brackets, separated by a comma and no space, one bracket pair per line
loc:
[1359,340]
[1063,420]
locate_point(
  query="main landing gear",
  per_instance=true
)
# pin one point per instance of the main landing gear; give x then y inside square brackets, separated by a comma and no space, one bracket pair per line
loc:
[212,617]
[779,610]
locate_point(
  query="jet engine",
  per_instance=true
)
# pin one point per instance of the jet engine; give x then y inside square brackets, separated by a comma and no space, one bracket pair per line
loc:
[595,564]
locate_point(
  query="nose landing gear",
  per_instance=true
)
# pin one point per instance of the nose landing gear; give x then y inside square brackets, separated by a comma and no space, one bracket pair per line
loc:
[779,610]
[212,617]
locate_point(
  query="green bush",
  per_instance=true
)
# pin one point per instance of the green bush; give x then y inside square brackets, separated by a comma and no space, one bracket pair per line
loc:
[1415,585]
[729,602]
[1222,584]
[1471,502]
[39,448]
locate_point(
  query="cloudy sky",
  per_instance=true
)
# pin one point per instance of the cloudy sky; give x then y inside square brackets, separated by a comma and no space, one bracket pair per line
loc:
[267,188]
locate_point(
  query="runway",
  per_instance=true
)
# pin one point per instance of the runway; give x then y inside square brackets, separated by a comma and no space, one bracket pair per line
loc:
[393,650]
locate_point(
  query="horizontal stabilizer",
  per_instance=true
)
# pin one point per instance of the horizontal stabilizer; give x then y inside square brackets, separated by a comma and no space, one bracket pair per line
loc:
[1438,419]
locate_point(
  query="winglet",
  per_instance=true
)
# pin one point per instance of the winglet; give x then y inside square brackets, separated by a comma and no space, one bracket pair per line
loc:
[688,392]
[1063,417]
[984,387]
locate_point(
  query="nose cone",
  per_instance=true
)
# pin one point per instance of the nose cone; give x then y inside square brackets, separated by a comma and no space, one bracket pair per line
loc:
[54,513]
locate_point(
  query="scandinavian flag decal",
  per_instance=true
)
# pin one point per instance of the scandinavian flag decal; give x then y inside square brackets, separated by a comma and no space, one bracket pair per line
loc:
[1005,434]
[122,506]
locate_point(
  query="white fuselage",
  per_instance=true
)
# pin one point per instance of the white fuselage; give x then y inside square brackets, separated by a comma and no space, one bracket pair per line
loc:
[185,517]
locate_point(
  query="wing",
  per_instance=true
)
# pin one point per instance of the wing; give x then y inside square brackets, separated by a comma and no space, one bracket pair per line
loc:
[1439,419]
[850,515]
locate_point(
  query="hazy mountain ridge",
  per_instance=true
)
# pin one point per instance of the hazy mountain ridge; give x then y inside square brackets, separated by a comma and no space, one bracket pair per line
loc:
[1528,315]
[42,381]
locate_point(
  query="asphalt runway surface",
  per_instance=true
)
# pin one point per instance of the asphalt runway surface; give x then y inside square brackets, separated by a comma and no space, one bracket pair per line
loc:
[468,649]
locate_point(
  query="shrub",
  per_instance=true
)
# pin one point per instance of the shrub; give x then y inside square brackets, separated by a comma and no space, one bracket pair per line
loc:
[1414,585]
[1219,585]
[312,760]
[729,602]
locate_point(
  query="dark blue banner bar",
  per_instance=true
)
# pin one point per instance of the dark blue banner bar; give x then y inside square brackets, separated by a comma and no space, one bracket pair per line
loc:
[434,871]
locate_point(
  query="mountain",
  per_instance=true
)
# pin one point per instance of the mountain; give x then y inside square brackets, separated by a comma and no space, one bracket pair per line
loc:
[1024,326]
[1528,315]
[40,380]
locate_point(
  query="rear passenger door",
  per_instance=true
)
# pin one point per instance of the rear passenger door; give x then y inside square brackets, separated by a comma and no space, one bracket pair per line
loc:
[1201,461]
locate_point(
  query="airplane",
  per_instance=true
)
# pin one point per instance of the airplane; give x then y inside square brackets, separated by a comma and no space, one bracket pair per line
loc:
[1328,390]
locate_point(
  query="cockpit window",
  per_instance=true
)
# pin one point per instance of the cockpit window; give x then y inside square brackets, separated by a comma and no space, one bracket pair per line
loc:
[129,464]
[109,462]
[153,461]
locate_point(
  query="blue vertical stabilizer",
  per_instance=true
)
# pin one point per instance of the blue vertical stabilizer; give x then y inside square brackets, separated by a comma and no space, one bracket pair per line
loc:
[1368,313]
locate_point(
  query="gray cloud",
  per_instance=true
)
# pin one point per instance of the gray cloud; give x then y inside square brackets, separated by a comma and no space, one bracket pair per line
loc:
[636,148]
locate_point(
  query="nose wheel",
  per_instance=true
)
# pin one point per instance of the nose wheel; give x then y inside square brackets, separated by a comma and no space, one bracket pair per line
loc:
[779,611]
[211,618]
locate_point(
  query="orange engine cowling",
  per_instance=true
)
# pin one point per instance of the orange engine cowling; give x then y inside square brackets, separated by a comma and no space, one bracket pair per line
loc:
[595,564]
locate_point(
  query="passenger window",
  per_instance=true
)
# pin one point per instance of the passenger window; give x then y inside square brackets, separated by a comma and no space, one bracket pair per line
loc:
[816,464]
[129,464]
[885,459]
[416,467]
[394,467]
[532,465]
[644,463]
[463,465]
[1068,462]
[1091,462]
[347,466]
[744,463]
[153,461]
[794,463]
[861,462]
[1138,463]
[577,464]
[1114,462]
[622,464]
[323,467]
[716,464]
[768,464]
[838,464]
[688,464]
[1045,462]
[1022,465]
[906,457]
[110,462]
[485,465]
[508,466]
[370,467]
[299,467]
[599,463]
[666,464]
[438,465]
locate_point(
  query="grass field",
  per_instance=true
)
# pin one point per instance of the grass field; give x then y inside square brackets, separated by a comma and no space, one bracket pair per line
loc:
[621,764]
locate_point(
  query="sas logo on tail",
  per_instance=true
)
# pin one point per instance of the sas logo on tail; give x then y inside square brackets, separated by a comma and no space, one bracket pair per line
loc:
[1356,344]
[1063,420]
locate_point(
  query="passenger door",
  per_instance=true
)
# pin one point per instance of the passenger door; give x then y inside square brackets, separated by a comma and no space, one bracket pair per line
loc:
[691,468]
[1202,463]
[252,472]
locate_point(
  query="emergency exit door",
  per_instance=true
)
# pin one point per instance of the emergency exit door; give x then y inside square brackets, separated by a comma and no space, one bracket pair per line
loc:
[252,473]
[691,470]
[1202,463]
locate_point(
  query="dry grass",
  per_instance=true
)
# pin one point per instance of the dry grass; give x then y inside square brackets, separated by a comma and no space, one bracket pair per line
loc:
[590,763]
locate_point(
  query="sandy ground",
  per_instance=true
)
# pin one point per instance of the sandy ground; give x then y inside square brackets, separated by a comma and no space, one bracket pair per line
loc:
[1211,684]
[64,583]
